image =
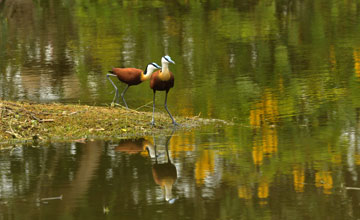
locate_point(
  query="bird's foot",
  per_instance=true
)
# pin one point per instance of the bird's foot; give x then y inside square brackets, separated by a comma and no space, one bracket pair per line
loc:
[152,123]
[176,124]
[114,104]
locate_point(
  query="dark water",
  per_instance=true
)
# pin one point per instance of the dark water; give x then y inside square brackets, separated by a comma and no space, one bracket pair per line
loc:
[285,72]
[194,175]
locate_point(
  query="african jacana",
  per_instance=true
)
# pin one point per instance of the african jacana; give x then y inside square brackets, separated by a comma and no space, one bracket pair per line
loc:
[136,146]
[130,76]
[132,146]
[162,80]
[165,174]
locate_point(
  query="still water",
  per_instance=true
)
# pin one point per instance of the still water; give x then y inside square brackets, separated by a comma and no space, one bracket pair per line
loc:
[287,73]
[185,175]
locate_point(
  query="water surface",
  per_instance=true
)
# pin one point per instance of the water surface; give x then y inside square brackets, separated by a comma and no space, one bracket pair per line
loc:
[285,72]
[191,175]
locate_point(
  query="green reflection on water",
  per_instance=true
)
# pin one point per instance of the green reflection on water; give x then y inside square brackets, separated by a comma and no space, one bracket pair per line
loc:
[286,72]
[235,172]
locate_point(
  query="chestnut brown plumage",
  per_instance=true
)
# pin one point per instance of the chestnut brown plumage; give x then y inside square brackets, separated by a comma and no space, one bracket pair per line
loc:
[162,80]
[164,173]
[130,76]
[159,85]
[132,146]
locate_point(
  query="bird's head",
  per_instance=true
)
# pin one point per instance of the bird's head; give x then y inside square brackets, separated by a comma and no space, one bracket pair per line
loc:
[151,67]
[166,59]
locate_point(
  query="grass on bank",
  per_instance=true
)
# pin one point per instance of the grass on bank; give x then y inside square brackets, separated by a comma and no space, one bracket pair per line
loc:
[23,121]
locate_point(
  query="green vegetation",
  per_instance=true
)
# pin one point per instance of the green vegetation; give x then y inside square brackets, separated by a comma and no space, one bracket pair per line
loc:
[22,121]
[287,72]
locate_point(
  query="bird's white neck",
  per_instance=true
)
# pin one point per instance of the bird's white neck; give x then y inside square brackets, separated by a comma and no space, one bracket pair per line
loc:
[164,67]
[167,189]
[165,72]
[147,74]
[151,150]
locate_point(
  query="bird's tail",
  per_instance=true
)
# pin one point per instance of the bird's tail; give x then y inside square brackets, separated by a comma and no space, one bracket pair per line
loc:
[110,73]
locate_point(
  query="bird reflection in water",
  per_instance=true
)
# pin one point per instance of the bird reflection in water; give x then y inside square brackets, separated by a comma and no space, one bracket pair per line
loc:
[133,146]
[164,172]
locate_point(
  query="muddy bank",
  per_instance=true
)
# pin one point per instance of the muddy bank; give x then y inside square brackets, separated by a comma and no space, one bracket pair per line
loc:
[24,121]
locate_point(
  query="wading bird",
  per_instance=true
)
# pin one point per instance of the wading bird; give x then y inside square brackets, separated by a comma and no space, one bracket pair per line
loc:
[130,76]
[162,80]
[165,174]
[163,170]
[133,146]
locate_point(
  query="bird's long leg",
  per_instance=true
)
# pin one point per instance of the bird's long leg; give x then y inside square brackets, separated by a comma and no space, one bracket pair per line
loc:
[155,149]
[173,120]
[116,89]
[122,95]
[153,117]
[167,145]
